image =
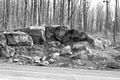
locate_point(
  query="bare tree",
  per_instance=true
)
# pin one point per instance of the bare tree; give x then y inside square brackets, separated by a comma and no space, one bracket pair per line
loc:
[47,16]
[54,11]
[116,22]
[118,14]
[25,13]
[35,13]
[91,20]
[85,14]
[99,17]
[75,13]
[6,14]
[17,13]
[61,12]
[86,6]
[68,10]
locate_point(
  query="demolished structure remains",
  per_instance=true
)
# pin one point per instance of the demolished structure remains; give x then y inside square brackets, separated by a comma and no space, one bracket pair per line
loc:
[58,46]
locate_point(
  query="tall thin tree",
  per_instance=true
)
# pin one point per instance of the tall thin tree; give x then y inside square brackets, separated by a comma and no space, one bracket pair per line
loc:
[68,10]
[54,11]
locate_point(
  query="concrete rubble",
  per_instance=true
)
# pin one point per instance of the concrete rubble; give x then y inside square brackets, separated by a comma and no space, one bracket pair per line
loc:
[79,51]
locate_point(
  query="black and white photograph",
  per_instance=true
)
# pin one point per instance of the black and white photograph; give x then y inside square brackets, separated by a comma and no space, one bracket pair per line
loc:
[59,39]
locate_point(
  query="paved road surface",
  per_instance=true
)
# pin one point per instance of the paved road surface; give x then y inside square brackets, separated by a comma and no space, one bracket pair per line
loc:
[17,72]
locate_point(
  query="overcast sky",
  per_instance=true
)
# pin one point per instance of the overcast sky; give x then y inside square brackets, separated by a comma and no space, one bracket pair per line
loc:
[94,2]
[111,2]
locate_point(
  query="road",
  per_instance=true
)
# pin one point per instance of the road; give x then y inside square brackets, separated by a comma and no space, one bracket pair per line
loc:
[19,72]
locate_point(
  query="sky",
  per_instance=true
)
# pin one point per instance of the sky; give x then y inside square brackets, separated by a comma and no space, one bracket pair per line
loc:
[111,2]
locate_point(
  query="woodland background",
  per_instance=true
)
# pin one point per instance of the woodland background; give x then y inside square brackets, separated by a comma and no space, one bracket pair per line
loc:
[78,14]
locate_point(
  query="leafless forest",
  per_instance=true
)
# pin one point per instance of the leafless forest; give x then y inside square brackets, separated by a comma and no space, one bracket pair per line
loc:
[78,14]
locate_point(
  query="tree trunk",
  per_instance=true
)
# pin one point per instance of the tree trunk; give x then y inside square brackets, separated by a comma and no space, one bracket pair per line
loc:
[6,13]
[47,17]
[35,13]
[39,12]
[17,13]
[31,13]
[68,10]
[61,12]
[54,11]
[25,13]
[85,15]
[71,14]
[43,11]
[115,27]
[63,3]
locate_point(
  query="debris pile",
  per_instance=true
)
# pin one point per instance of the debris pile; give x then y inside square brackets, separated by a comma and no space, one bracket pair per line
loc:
[74,50]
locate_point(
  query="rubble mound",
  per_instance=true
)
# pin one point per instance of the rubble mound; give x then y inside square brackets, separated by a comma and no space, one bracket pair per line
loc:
[74,50]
